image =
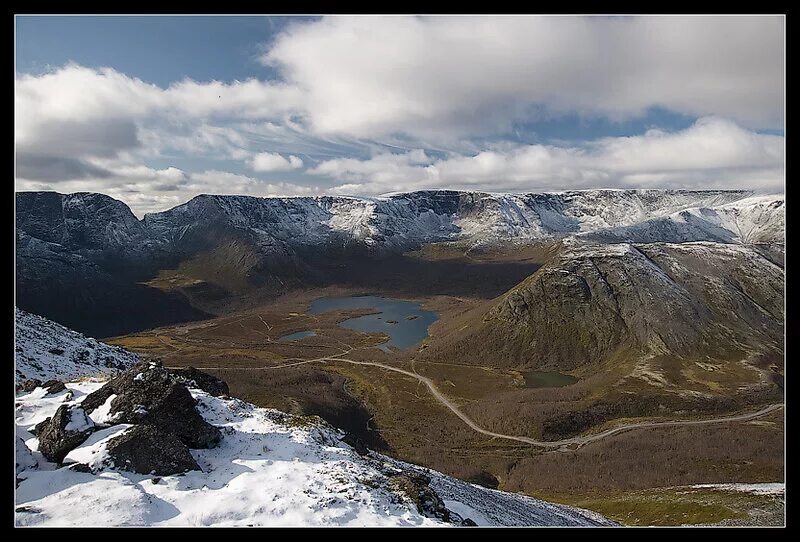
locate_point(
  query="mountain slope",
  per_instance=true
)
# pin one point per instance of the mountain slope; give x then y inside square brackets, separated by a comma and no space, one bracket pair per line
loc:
[45,350]
[751,220]
[594,301]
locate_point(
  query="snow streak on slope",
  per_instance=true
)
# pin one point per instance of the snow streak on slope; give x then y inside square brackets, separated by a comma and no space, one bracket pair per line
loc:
[751,220]
[769,488]
[46,350]
[269,470]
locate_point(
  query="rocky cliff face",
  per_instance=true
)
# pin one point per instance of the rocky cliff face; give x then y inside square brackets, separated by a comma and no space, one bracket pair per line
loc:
[402,221]
[80,221]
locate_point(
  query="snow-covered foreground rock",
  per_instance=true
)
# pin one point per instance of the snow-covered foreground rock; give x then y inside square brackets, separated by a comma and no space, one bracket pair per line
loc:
[46,350]
[270,469]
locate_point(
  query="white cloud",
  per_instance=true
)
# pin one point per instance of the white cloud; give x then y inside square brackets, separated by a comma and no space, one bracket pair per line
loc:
[711,153]
[272,161]
[371,76]
[67,117]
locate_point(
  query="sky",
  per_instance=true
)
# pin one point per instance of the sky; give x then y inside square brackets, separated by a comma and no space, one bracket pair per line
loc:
[156,110]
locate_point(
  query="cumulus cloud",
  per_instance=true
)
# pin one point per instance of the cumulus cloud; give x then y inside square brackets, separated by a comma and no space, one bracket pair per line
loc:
[272,161]
[368,76]
[82,114]
[711,153]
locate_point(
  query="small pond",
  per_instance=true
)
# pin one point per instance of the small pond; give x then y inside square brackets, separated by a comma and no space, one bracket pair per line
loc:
[547,379]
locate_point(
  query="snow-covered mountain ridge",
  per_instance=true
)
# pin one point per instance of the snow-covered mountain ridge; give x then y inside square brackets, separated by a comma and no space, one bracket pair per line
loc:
[396,221]
[401,220]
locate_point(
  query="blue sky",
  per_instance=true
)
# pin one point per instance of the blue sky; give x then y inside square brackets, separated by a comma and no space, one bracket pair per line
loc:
[155,110]
[158,49]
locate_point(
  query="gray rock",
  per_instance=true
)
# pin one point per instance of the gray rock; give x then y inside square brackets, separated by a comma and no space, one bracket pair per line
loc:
[30,385]
[54,386]
[24,457]
[55,439]
[416,487]
[198,379]
[149,394]
[357,444]
[147,449]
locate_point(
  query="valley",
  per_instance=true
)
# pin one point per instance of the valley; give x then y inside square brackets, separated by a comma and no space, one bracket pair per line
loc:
[533,353]
[385,400]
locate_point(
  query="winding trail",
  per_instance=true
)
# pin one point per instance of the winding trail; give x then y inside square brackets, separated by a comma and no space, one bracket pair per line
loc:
[562,445]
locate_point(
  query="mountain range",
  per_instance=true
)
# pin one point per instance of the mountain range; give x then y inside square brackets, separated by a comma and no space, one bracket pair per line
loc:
[80,255]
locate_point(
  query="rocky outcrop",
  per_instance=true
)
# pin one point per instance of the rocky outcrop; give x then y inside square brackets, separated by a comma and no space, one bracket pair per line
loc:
[23,456]
[148,449]
[148,394]
[63,432]
[416,487]
[356,443]
[198,379]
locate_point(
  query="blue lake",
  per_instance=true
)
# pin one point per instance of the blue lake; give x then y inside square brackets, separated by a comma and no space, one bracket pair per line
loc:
[405,322]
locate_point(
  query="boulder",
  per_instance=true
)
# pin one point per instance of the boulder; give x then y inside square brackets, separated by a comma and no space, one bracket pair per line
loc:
[54,386]
[147,449]
[196,378]
[64,431]
[149,394]
[415,486]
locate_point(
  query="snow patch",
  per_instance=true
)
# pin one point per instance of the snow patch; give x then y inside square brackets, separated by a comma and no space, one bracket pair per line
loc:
[776,488]
[102,414]
[78,420]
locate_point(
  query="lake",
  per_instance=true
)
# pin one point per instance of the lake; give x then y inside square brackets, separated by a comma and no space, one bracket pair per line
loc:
[405,322]
[547,379]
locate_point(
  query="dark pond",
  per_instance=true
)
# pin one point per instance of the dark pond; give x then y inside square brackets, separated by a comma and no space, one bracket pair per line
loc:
[405,322]
[547,379]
